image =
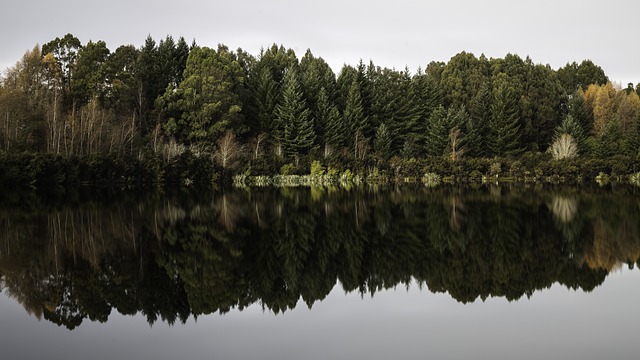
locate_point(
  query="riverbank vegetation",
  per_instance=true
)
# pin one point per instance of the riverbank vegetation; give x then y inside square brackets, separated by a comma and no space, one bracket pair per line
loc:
[173,113]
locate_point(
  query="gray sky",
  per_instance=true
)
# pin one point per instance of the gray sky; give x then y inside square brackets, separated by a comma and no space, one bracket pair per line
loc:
[391,33]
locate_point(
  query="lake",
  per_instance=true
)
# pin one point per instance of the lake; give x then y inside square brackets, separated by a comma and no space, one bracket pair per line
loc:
[298,273]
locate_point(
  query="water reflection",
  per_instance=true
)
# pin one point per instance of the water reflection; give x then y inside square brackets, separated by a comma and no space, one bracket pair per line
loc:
[170,258]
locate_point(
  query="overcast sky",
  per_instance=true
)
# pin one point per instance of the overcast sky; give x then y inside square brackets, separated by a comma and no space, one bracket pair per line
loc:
[394,33]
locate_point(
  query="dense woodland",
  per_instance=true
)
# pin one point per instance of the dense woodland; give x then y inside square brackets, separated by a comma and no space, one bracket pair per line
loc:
[273,112]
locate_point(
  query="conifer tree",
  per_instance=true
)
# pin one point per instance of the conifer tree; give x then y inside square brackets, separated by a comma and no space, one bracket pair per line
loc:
[610,142]
[633,142]
[578,109]
[571,127]
[328,122]
[437,136]
[478,124]
[504,125]
[382,142]
[292,116]
[354,113]
[266,98]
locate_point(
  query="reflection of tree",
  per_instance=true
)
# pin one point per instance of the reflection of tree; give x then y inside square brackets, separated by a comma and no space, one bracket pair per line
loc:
[616,233]
[564,208]
[169,259]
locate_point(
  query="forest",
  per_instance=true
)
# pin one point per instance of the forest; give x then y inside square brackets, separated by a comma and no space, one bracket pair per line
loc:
[173,112]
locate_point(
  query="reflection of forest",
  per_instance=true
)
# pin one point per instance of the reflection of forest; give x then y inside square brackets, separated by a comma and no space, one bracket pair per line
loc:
[169,259]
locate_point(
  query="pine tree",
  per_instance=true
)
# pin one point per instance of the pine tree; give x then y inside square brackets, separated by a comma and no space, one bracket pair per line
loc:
[571,127]
[436,139]
[265,96]
[293,118]
[382,142]
[579,110]
[504,124]
[478,124]
[610,142]
[633,142]
[328,120]
[354,113]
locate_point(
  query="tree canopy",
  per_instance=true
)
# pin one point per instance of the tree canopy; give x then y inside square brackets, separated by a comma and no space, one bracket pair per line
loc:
[71,98]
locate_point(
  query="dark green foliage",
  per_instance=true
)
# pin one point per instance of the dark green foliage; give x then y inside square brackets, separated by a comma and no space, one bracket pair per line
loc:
[295,125]
[120,93]
[88,73]
[206,103]
[158,66]
[610,142]
[158,100]
[575,77]
[316,75]
[437,137]
[504,124]
[579,110]
[382,142]
[331,124]
[479,117]
[461,78]
[633,142]
[354,116]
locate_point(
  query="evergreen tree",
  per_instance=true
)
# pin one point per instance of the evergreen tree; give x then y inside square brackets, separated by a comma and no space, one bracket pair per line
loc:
[461,78]
[353,115]
[329,122]
[428,93]
[571,127]
[265,92]
[578,109]
[121,87]
[633,141]
[476,129]
[293,117]
[88,78]
[315,74]
[206,103]
[610,142]
[437,137]
[65,50]
[382,142]
[504,124]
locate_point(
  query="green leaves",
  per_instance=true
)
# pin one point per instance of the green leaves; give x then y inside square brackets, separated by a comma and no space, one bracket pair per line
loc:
[206,103]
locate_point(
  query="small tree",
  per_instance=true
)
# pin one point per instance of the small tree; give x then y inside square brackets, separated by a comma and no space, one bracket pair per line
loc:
[456,144]
[564,147]
[228,150]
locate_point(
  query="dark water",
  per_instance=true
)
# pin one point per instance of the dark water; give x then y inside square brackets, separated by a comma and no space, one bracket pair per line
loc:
[313,274]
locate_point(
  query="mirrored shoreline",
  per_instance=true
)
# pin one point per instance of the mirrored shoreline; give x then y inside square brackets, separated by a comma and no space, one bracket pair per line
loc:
[173,257]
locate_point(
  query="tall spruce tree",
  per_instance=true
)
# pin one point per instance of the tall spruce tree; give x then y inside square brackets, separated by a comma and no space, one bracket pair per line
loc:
[578,109]
[293,118]
[504,124]
[328,120]
[477,127]
[382,142]
[610,141]
[354,116]
[436,138]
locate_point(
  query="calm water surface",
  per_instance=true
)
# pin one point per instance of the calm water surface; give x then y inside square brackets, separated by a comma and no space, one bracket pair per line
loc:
[313,274]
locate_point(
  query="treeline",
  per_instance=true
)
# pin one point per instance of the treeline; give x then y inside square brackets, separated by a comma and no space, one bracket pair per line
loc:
[256,114]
